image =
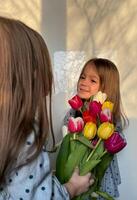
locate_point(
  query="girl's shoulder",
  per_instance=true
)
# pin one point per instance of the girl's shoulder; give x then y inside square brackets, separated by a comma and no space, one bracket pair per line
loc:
[25,181]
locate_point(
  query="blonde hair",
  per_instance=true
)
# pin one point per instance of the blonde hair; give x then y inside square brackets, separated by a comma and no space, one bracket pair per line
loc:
[110,84]
[25,83]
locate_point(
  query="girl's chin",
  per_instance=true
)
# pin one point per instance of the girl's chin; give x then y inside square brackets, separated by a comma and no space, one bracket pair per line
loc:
[83,96]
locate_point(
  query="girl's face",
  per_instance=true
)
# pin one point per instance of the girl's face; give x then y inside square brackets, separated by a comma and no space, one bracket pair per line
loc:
[89,82]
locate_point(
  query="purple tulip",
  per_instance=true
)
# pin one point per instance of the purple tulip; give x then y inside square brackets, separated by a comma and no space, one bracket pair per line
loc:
[75,102]
[115,143]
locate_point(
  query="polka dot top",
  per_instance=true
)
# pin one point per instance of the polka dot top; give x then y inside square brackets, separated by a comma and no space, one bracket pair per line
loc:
[34,181]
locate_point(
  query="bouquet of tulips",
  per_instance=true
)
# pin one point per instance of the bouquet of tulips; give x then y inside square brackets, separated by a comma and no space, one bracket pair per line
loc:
[90,144]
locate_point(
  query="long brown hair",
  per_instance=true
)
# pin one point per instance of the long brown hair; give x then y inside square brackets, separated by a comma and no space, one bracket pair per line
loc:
[25,83]
[110,84]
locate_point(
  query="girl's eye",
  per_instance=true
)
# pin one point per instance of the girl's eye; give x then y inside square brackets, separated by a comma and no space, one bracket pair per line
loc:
[93,81]
[82,77]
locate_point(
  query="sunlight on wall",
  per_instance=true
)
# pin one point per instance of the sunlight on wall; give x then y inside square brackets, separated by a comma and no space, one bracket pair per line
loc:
[26,11]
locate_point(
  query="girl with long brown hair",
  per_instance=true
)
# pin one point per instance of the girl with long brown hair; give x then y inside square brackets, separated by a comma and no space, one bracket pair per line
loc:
[25,119]
[100,74]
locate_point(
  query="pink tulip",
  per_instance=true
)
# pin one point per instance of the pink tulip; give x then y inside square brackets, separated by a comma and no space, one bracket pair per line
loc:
[75,124]
[106,115]
[115,143]
[75,102]
[95,108]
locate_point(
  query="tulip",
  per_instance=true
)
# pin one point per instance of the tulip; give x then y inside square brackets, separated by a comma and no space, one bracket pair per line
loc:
[95,108]
[76,102]
[105,130]
[115,143]
[75,124]
[106,115]
[100,97]
[87,117]
[108,104]
[90,130]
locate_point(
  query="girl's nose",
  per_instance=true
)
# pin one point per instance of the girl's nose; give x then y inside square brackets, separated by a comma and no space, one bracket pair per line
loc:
[85,82]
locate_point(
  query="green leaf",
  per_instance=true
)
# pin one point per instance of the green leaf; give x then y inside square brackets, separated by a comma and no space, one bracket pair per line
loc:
[73,144]
[105,195]
[97,152]
[85,157]
[74,160]
[88,166]
[62,157]
[84,141]
[102,167]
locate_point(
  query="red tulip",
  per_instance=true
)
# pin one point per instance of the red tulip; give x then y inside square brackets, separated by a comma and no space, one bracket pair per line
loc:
[115,143]
[87,117]
[75,102]
[75,124]
[95,108]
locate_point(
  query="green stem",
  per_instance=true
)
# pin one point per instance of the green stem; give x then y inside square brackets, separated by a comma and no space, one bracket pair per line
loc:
[74,136]
[94,149]
[104,153]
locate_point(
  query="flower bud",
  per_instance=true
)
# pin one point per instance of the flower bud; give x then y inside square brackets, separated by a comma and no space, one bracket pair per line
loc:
[115,143]
[76,102]
[75,124]
[105,130]
[106,115]
[90,130]
[95,108]
[108,104]
[87,117]
[100,97]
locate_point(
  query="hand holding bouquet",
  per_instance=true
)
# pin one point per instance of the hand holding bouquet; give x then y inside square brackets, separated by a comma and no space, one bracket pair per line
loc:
[90,143]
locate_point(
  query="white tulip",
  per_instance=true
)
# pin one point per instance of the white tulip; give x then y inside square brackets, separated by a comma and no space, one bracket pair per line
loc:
[100,97]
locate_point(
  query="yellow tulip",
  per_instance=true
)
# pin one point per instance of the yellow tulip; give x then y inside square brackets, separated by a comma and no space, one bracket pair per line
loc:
[108,104]
[90,130]
[105,130]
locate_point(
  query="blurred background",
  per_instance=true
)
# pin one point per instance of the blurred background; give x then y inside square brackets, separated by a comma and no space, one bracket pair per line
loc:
[76,30]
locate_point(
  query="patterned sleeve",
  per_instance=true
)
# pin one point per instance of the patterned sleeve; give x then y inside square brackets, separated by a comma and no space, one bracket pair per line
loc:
[70,113]
[34,181]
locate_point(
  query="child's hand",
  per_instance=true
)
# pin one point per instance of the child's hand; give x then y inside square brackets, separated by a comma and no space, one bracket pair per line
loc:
[78,184]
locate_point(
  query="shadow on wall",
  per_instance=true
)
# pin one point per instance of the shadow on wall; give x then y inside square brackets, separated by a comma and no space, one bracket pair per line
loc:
[105,24]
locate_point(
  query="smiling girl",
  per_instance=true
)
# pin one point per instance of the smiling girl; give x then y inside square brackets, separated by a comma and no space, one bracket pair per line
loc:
[99,74]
